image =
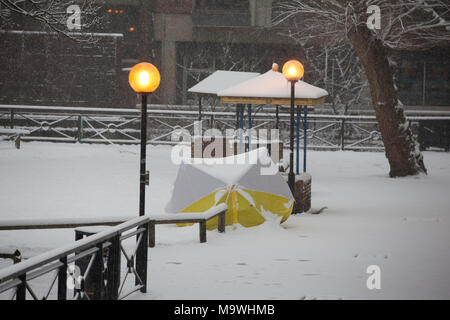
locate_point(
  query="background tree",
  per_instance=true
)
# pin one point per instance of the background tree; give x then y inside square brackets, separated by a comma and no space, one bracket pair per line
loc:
[201,60]
[406,25]
[51,15]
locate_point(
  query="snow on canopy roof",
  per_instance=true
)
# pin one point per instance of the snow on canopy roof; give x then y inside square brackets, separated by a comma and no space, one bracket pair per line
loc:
[220,80]
[273,85]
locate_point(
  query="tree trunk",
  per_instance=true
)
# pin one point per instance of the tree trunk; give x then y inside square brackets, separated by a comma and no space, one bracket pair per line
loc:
[401,148]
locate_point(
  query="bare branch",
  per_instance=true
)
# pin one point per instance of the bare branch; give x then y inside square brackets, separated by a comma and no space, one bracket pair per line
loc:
[52,15]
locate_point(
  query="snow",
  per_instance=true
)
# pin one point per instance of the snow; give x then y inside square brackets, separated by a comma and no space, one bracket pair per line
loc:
[191,215]
[18,223]
[14,131]
[95,34]
[272,84]
[401,225]
[220,80]
[304,176]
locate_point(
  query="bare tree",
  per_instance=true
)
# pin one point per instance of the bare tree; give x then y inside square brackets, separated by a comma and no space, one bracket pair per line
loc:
[53,15]
[336,67]
[145,34]
[227,55]
[404,24]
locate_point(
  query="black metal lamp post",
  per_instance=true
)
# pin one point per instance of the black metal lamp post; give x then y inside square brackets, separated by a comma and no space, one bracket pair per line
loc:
[144,78]
[293,71]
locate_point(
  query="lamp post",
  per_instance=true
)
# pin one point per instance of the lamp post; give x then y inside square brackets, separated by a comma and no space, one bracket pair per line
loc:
[293,71]
[144,78]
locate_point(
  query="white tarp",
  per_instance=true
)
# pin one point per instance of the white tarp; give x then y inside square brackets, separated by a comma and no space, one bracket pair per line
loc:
[195,181]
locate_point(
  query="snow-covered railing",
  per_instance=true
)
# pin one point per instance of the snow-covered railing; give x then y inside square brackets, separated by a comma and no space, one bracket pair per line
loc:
[101,125]
[60,223]
[90,266]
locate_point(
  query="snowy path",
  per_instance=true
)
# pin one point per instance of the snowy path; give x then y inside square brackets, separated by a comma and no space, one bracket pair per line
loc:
[402,225]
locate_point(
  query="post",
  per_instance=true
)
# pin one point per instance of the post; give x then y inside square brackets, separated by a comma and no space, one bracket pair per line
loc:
[11,123]
[221,224]
[342,134]
[17,141]
[237,116]
[80,128]
[113,269]
[17,256]
[291,176]
[143,155]
[199,108]
[151,234]
[21,291]
[141,259]
[78,235]
[250,125]
[202,230]
[297,142]
[305,126]
[62,280]
[95,286]
[277,117]
[241,127]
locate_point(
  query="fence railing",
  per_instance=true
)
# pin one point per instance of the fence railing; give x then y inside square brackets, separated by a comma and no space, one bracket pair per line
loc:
[89,268]
[121,126]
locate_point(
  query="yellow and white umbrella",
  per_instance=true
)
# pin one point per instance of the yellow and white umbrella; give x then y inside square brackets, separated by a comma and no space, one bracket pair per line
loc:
[249,184]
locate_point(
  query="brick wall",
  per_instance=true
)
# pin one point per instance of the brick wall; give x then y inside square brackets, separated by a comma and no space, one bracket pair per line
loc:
[302,193]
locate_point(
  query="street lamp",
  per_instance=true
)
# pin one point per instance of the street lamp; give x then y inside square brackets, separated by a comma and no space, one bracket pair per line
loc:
[144,78]
[293,71]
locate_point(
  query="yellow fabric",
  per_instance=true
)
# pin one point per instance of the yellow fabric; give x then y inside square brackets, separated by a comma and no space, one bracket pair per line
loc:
[240,207]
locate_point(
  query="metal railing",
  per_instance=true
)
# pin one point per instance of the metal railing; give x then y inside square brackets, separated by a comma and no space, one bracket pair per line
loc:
[121,126]
[90,268]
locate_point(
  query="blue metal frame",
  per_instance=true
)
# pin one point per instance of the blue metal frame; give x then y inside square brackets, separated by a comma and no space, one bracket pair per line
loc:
[297,151]
[305,126]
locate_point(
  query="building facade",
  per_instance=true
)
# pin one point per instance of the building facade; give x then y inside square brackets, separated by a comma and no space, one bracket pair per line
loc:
[189,39]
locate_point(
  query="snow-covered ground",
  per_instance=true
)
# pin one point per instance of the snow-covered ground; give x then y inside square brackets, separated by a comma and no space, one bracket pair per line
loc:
[401,225]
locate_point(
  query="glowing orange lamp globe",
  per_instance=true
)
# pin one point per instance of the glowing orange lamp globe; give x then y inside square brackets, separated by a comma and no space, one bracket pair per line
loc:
[293,70]
[144,78]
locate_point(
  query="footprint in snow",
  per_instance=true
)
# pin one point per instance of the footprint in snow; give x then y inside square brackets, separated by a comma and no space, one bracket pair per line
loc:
[372,256]
[280,259]
[320,298]
[173,262]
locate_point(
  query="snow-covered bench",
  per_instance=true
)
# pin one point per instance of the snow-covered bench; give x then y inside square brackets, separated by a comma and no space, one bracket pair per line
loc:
[16,134]
[60,223]
[192,217]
